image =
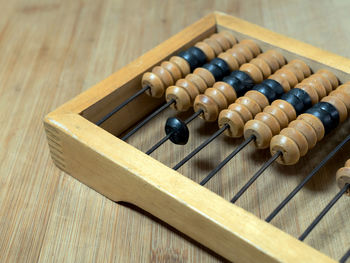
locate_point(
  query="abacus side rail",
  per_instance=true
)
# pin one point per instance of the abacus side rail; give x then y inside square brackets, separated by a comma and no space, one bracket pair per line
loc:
[104,163]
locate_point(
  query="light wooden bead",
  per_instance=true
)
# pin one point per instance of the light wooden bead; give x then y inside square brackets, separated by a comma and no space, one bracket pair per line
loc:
[253,71]
[297,72]
[190,88]
[198,82]
[181,97]
[316,85]
[261,131]
[277,56]
[265,125]
[237,55]
[345,98]
[278,114]
[270,60]
[251,104]
[343,176]
[262,65]
[343,93]
[245,114]
[281,80]
[245,51]
[258,97]
[345,88]
[235,122]
[214,45]
[214,100]
[254,48]
[207,50]
[222,41]
[330,76]
[315,123]
[298,138]
[208,105]
[172,69]
[289,149]
[236,116]
[347,163]
[306,130]
[339,105]
[205,75]
[297,63]
[164,75]
[229,37]
[287,75]
[309,90]
[182,64]
[154,82]
[324,81]
[230,60]
[286,107]
[270,121]
[218,98]
[227,90]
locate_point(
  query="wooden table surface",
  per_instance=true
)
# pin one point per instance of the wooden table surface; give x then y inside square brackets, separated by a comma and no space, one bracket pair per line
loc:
[50,51]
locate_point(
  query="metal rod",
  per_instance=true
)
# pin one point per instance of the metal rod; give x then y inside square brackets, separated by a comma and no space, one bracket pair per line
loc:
[154,147]
[313,172]
[193,116]
[324,212]
[200,147]
[122,105]
[345,257]
[226,160]
[147,119]
[167,137]
[256,176]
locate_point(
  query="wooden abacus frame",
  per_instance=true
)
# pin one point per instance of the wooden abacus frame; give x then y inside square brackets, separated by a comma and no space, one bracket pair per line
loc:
[119,171]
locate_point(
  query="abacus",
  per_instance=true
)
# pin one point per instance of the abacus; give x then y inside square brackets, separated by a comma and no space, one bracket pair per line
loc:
[247,82]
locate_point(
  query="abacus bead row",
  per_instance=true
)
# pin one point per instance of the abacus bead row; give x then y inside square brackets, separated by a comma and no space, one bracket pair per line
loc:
[285,77]
[179,66]
[219,41]
[295,140]
[185,90]
[225,92]
[257,70]
[254,101]
[285,110]
[343,176]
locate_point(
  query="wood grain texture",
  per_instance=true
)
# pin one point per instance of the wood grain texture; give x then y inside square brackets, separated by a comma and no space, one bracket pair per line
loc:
[52,50]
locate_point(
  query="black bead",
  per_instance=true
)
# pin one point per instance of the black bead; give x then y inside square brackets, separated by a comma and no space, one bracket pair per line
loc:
[269,93]
[331,110]
[178,130]
[236,84]
[222,65]
[190,58]
[246,80]
[199,54]
[303,96]
[294,101]
[323,116]
[214,70]
[276,86]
